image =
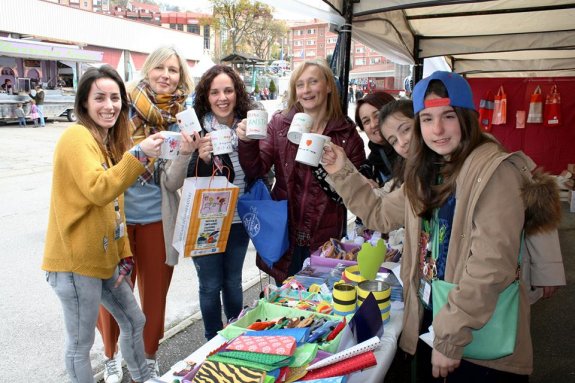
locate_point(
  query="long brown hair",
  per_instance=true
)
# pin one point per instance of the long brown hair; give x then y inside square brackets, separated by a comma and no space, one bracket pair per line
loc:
[119,139]
[424,167]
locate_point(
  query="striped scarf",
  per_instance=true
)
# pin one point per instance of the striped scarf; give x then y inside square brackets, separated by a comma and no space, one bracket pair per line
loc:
[151,113]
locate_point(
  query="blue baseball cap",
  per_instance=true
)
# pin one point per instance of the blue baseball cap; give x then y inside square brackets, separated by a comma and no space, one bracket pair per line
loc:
[458,90]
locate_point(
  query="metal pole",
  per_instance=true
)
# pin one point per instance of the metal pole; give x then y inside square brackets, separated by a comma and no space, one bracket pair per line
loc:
[345,52]
[418,65]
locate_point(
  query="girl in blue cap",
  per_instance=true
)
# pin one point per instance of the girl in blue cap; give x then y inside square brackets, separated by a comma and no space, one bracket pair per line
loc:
[463,186]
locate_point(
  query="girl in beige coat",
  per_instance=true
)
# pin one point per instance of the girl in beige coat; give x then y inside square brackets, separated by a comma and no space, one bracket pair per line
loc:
[484,205]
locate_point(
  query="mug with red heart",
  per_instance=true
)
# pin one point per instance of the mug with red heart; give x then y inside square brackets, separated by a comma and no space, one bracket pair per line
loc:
[310,148]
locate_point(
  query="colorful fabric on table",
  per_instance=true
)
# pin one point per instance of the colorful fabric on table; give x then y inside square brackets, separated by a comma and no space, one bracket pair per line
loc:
[257,360]
[344,367]
[211,371]
[363,347]
[277,345]
[300,334]
[296,373]
[304,354]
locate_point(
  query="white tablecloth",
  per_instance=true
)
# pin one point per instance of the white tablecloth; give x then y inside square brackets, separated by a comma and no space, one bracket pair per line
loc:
[384,354]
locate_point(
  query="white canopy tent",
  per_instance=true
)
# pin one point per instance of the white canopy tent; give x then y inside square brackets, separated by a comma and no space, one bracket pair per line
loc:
[202,66]
[488,38]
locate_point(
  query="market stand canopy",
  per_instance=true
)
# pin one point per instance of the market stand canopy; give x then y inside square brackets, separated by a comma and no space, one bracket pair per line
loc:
[489,38]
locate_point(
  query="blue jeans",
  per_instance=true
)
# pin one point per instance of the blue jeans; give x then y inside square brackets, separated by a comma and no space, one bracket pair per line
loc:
[41,113]
[21,121]
[222,272]
[80,297]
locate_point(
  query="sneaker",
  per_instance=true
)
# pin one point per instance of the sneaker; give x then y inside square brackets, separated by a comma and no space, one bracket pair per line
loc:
[113,370]
[154,368]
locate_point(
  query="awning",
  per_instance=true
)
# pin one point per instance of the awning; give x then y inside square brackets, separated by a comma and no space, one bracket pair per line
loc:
[46,51]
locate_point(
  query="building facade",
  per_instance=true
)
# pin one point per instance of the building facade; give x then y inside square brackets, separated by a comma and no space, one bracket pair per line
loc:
[370,69]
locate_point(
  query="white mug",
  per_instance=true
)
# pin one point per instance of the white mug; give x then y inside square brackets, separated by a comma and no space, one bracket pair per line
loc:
[222,141]
[188,121]
[300,124]
[171,145]
[257,124]
[310,148]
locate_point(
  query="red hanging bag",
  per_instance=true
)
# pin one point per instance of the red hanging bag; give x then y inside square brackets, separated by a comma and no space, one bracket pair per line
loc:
[500,108]
[552,112]
[535,115]
[486,106]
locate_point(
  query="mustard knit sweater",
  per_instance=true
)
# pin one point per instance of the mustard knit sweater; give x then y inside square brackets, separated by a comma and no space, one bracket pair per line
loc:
[82,220]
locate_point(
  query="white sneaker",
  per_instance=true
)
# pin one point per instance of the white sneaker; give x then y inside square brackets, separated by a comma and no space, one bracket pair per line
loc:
[113,369]
[154,368]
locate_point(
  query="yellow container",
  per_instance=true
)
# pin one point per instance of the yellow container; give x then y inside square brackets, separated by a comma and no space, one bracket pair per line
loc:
[344,298]
[351,274]
[381,292]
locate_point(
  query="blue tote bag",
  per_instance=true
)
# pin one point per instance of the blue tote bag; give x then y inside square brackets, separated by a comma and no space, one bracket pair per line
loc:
[265,221]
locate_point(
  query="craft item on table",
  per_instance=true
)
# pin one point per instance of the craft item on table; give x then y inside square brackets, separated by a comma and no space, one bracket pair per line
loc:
[186,370]
[265,310]
[319,275]
[352,274]
[370,258]
[337,250]
[344,298]
[255,360]
[299,334]
[381,292]
[277,345]
[334,379]
[304,354]
[360,348]
[220,372]
[343,367]
[319,334]
[295,373]
[190,375]
[336,330]
[367,322]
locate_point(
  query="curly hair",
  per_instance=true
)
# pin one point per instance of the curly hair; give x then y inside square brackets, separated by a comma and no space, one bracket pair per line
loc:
[202,102]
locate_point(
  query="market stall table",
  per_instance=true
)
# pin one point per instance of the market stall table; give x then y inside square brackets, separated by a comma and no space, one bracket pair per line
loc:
[384,354]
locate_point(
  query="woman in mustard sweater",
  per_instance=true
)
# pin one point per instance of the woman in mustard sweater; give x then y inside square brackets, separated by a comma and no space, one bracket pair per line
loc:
[87,256]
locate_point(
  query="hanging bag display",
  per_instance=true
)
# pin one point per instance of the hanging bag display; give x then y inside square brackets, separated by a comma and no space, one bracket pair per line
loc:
[552,112]
[205,216]
[266,222]
[497,337]
[486,105]
[535,115]
[500,108]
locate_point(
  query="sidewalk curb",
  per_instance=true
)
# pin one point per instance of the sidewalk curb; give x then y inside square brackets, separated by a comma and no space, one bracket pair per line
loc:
[192,319]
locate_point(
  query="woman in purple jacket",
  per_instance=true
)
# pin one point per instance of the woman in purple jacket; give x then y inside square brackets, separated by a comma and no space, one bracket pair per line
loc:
[315,212]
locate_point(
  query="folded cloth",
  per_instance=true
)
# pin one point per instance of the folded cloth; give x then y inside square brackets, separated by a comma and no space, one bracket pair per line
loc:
[220,372]
[276,345]
[304,354]
[344,367]
[300,334]
[266,362]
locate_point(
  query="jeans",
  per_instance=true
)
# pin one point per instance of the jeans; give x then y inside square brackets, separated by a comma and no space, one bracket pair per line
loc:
[80,297]
[222,272]
[41,113]
[21,121]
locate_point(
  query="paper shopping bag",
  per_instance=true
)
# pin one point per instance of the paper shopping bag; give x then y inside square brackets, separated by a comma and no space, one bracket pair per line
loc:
[520,119]
[535,115]
[486,105]
[265,221]
[205,216]
[500,107]
[552,115]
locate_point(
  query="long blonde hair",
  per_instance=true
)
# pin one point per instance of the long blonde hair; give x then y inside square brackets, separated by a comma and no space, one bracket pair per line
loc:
[333,110]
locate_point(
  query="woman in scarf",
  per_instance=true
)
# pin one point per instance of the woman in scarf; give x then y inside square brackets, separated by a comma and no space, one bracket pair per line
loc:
[221,102]
[152,201]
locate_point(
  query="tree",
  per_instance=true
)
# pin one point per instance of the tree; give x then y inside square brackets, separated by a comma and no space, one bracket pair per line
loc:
[265,35]
[238,19]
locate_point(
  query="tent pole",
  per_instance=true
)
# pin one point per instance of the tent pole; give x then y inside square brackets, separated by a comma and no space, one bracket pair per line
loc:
[345,52]
[418,65]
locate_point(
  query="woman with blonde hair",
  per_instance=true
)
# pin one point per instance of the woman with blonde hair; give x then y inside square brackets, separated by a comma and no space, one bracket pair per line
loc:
[152,201]
[314,212]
